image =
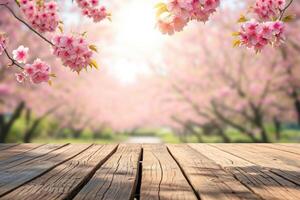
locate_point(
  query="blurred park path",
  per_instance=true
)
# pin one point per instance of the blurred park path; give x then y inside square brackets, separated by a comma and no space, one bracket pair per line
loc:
[143,139]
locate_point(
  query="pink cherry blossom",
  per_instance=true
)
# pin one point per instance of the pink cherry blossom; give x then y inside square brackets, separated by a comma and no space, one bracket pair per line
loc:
[20,54]
[268,9]
[168,24]
[90,9]
[38,72]
[42,16]
[20,77]
[73,51]
[257,35]
[3,42]
[175,14]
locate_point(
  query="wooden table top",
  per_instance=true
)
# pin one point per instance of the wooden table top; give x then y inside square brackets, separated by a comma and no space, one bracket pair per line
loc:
[149,171]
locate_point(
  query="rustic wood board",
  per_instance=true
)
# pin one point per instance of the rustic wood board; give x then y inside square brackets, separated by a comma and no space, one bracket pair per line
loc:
[116,178]
[162,177]
[150,171]
[208,178]
[17,149]
[6,146]
[261,181]
[291,148]
[28,156]
[65,180]
[282,163]
[14,177]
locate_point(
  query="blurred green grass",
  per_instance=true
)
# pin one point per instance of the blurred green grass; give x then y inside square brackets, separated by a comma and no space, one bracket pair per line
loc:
[47,133]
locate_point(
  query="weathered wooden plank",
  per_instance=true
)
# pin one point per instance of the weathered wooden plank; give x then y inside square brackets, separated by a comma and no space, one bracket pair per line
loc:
[261,181]
[17,149]
[28,156]
[7,146]
[282,163]
[117,177]
[208,179]
[65,180]
[14,177]
[161,177]
[292,148]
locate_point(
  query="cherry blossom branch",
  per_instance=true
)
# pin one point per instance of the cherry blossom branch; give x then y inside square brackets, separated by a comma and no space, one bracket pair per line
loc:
[285,8]
[27,25]
[13,61]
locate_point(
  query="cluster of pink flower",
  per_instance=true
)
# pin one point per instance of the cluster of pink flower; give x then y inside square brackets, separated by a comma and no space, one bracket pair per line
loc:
[257,35]
[43,16]
[268,9]
[89,8]
[175,14]
[37,72]
[73,51]
[3,42]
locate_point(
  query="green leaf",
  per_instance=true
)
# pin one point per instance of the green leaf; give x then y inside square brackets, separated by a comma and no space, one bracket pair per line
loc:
[235,34]
[288,18]
[161,8]
[93,48]
[18,2]
[94,64]
[242,19]
[236,43]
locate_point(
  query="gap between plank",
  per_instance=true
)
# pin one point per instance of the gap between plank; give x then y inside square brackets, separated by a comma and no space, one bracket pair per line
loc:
[184,174]
[137,194]
[79,187]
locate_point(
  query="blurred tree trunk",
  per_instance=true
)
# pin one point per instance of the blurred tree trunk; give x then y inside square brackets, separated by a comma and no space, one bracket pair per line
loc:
[223,135]
[258,122]
[31,130]
[233,124]
[5,126]
[297,107]
[277,125]
[77,133]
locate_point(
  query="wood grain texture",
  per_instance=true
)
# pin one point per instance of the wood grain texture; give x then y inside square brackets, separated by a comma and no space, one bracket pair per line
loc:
[17,149]
[28,156]
[116,178]
[291,148]
[162,178]
[209,180]
[261,181]
[6,146]
[63,181]
[112,172]
[282,163]
[14,177]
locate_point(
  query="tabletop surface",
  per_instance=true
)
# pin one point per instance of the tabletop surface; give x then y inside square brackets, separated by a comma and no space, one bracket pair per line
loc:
[149,171]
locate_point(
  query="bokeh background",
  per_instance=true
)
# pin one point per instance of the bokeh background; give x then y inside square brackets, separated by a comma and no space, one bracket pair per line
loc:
[190,87]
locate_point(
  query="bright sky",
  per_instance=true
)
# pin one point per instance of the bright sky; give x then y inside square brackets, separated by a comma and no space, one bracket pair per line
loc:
[136,40]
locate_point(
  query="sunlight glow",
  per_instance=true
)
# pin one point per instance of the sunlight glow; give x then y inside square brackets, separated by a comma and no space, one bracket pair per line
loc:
[136,25]
[137,41]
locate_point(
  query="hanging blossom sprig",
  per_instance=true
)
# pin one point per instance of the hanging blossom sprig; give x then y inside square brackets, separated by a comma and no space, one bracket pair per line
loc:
[41,17]
[173,15]
[265,26]
[37,72]
[91,9]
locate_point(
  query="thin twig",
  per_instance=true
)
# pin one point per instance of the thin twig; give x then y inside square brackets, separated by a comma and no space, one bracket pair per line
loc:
[25,23]
[13,61]
[283,10]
